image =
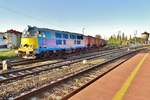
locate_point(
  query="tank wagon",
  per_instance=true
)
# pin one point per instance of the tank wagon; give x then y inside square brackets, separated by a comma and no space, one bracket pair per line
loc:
[42,42]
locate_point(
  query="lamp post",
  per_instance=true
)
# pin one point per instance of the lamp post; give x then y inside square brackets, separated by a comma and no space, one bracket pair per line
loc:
[135,36]
[83,29]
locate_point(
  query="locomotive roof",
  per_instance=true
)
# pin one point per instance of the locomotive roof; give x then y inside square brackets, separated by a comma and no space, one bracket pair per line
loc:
[47,29]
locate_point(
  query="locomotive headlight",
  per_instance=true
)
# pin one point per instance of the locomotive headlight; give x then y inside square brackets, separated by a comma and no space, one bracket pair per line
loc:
[16,51]
[31,46]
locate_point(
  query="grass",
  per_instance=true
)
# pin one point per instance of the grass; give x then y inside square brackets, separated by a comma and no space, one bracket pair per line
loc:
[7,54]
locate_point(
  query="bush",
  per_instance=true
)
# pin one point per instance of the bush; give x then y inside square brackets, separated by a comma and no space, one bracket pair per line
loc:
[7,54]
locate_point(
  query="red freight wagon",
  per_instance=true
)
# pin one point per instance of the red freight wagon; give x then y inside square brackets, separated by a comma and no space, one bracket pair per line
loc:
[102,42]
[97,42]
[90,41]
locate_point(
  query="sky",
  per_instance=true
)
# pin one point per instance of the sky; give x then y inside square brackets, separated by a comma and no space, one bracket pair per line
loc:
[104,17]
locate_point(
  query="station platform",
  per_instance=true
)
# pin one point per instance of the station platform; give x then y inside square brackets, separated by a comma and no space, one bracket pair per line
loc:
[129,81]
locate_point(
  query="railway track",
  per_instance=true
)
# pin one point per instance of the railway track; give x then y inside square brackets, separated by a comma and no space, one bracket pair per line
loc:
[59,81]
[30,79]
[18,62]
[23,72]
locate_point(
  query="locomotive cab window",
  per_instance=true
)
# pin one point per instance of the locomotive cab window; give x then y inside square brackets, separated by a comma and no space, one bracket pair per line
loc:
[59,42]
[58,35]
[40,34]
[72,36]
[65,36]
[80,37]
[78,42]
[30,32]
[64,42]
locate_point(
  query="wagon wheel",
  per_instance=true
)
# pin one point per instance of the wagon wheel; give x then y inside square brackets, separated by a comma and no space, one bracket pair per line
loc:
[46,54]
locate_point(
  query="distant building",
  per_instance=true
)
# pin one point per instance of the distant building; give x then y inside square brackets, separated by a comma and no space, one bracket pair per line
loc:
[145,37]
[2,40]
[13,38]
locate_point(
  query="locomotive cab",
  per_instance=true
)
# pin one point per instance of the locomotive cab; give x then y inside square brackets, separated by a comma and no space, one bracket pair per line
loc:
[29,44]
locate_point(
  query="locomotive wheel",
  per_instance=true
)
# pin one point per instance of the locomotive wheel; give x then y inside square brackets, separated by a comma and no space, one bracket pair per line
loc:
[41,55]
[46,54]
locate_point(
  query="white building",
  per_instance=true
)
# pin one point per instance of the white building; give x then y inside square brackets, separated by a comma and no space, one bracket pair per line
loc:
[13,38]
[2,40]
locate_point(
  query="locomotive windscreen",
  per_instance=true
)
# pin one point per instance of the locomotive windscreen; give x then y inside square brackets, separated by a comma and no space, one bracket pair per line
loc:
[30,32]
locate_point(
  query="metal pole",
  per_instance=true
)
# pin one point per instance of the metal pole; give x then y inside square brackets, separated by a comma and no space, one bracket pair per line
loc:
[135,35]
[83,29]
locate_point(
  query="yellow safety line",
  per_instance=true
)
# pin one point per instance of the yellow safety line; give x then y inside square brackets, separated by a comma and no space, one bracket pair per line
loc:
[120,93]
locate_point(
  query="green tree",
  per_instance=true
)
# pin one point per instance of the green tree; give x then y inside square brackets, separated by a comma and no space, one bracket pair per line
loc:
[120,39]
